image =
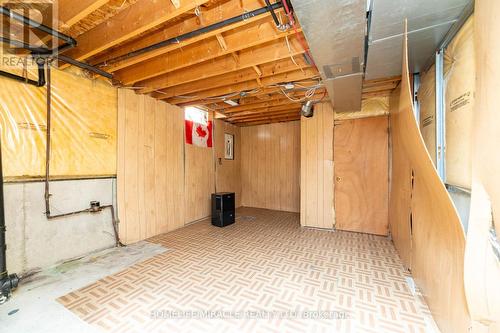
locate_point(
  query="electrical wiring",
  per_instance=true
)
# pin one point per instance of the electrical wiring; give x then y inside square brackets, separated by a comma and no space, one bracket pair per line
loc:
[309,93]
[291,55]
[239,93]
[301,39]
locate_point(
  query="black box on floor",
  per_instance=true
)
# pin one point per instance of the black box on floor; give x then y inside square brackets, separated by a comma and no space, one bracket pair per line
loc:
[223,210]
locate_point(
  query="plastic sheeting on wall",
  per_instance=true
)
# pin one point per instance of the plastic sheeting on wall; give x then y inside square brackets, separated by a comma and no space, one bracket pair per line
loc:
[83,134]
[459,74]
[427,99]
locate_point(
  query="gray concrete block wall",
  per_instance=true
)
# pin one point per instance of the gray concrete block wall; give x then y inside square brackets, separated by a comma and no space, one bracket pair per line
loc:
[35,242]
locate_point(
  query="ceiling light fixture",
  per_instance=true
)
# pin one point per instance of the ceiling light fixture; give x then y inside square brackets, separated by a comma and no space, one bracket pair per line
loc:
[307,109]
[231,102]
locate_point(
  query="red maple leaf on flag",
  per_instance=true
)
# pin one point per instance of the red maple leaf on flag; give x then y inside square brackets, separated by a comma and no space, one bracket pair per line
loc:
[201,132]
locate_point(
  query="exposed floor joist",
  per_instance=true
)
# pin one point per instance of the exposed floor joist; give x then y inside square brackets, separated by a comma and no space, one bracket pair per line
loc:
[211,16]
[252,35]
[249,61]
[137,19]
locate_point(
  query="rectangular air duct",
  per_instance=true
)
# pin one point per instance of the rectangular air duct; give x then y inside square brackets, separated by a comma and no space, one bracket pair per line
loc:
[336,31]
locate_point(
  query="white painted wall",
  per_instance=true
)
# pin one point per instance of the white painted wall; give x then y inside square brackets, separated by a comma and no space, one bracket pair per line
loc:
[34,242]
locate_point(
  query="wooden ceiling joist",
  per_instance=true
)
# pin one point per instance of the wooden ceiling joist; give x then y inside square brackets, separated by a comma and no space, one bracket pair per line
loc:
[268,52]
[261,94]
[222,11]
[249,36]
[245,86]
[292,113]
[267,110]
[269,69]
[245,60]
[255,107]
[282,101]
[270,120]
[71,11]
[135,20]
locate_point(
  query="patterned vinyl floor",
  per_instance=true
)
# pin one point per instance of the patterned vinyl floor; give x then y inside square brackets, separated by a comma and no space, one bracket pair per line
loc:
[263,274]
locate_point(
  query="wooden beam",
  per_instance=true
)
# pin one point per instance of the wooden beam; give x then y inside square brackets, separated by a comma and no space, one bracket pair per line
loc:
[257,70]
[133,21]
[210,16]
[243,86]
[270,121]
[269,69]
[291,111]
[395,79]
[255,56]
[213,103]
[267,112]
[288,114]
[376,94]
[264,105]
[222,42]
[71,11]
[236,58]
[251,35]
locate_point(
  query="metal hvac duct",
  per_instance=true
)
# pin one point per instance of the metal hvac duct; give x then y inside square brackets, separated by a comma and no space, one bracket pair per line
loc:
[335,31]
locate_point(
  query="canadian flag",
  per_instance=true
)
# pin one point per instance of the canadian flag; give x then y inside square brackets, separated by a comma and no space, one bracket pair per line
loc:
[198,134]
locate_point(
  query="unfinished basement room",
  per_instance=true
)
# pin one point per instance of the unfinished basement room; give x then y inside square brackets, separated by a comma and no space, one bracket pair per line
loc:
[250,166]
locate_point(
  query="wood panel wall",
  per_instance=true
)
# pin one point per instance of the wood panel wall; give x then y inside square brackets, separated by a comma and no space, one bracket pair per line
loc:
[437,240]
[270,167]
[150,177]
[199,182]
[228,172]
[316,165]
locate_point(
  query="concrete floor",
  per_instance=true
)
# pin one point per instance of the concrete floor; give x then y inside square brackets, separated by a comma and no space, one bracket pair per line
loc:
[33,306]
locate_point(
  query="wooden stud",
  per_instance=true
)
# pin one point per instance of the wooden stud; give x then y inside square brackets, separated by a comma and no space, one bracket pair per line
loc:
[221,41]
[257,70]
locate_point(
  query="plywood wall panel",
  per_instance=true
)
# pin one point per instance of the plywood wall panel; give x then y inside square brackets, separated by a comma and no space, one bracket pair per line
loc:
[150,175]
[438,240]
[400,192]
[162,127]
[482,266]
[175,153]
[270,166]
[317,168]
[228,172]
[199,182]
[361,173]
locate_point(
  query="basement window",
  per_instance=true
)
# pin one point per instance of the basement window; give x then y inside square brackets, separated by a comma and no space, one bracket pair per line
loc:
[196,115]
